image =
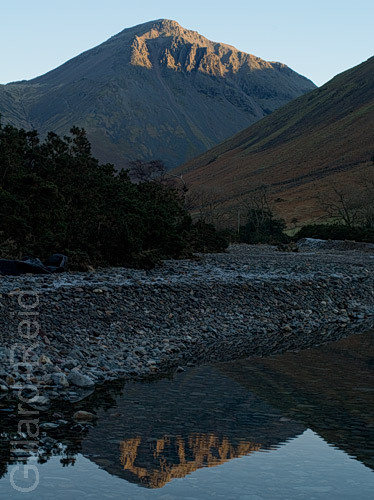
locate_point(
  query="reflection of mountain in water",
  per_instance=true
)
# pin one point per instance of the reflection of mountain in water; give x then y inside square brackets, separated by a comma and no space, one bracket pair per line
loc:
[166,430]
[188,455]
[151,433]
[330,390]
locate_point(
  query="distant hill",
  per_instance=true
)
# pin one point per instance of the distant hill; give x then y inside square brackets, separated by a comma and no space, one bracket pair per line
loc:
[320,140]
[154,91]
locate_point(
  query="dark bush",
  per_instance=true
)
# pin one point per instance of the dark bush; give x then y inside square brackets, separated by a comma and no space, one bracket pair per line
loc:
[336,232]
[204,237]
[263,227]
[56,197]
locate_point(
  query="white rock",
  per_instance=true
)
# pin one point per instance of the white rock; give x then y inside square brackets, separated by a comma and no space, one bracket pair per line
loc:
[77,378]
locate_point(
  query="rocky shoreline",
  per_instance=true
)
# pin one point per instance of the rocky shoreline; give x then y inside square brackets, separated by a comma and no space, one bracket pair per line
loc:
[84,329]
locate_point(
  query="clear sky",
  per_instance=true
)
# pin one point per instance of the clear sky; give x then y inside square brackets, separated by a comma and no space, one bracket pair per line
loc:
[317,38]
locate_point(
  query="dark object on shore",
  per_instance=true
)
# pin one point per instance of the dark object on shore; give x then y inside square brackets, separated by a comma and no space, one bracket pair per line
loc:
[288,247]
[57,263]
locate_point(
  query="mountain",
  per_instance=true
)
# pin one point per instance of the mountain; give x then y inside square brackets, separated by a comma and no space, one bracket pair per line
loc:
[154,91]
[200,418]
[320,140]
[311,387]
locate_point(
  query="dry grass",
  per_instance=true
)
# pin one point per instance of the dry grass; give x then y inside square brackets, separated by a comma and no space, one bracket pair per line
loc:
[321,140]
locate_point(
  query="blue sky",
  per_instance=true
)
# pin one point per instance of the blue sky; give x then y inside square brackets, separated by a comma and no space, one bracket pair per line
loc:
[315,38]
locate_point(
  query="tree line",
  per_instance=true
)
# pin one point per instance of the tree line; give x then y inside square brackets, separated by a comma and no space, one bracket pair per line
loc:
[346,213]
[56,197]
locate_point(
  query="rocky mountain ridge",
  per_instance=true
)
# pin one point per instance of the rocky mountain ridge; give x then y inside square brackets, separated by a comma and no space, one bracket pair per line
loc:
[154,91]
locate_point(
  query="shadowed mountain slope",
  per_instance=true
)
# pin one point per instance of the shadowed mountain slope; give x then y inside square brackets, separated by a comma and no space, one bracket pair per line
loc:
[328,389]
[154,91]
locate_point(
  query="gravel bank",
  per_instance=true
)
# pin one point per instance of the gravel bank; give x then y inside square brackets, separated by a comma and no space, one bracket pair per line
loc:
[89,328]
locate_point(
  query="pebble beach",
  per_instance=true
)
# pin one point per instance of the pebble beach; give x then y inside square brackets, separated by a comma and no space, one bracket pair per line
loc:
[63,335]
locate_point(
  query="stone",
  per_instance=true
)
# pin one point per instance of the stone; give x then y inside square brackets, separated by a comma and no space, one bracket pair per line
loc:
[78,379]
[84,416]
[45,360]
[70,364]
[4,354]
[49,425]
[60,379]
[41,403]
[20,454]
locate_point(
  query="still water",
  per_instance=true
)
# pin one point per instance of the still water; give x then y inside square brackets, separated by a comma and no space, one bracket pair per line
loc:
[298,426]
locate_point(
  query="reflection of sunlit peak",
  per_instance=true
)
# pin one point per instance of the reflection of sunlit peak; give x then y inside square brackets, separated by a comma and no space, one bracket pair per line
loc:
[129,451]
[175,457]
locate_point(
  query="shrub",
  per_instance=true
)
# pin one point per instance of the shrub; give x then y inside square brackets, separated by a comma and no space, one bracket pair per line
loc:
[336,232]
[204,237]
[263,227]
[56,197]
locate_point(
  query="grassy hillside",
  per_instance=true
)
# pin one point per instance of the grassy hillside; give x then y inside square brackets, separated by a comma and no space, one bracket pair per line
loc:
[322,139]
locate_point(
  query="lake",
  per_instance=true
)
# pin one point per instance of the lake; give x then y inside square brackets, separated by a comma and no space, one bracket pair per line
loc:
[297,426]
